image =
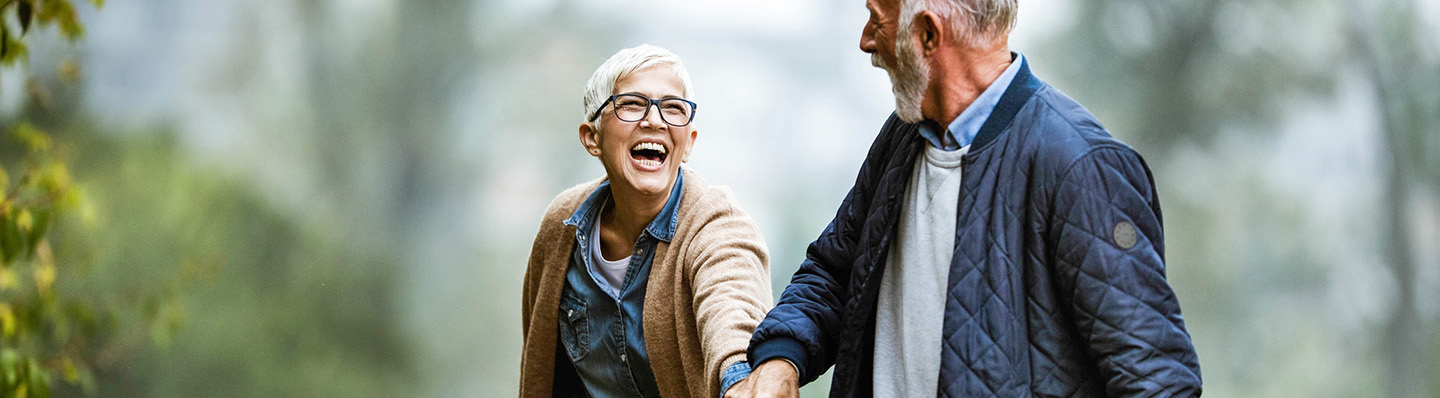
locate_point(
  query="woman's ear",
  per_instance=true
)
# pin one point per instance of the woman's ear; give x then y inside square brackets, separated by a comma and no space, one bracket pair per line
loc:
[590,139]
[693,134]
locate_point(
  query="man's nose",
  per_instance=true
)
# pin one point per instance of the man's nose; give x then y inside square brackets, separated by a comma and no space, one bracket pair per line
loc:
[867,38]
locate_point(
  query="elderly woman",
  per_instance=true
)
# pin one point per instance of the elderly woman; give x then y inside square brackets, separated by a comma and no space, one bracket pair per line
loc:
[647,282]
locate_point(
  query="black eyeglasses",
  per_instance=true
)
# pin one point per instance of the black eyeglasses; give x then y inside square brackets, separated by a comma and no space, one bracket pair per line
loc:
[633,107]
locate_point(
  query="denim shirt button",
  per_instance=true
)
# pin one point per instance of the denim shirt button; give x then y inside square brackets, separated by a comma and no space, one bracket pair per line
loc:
[622,357]
[570,313]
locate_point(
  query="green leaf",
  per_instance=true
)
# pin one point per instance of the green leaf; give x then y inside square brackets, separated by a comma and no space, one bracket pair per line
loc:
[34,138]
[25,12]
[10,240]
[39,224]
[84,318]
[69,22]
[77,373]
[8,360]
[39,380]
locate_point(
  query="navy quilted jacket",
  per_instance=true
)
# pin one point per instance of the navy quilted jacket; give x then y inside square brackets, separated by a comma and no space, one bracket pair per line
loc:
[1057,287]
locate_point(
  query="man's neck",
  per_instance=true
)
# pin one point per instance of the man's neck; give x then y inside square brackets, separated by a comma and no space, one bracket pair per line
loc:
[959,78]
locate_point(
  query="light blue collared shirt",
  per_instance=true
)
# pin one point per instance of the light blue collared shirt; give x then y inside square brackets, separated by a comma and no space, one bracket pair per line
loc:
[963,129]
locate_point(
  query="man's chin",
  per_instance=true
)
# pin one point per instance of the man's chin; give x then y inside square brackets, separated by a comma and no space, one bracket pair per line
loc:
[908,114]
[906,111]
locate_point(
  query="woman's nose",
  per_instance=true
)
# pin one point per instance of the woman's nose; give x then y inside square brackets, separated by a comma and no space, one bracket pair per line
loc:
[653,119]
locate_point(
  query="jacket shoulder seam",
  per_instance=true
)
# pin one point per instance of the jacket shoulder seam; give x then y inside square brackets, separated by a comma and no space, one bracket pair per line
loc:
[1090,148]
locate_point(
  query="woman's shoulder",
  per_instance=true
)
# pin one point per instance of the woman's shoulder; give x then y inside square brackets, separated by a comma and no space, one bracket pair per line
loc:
[701,198]
[712,219]
[569,200]
[703,204]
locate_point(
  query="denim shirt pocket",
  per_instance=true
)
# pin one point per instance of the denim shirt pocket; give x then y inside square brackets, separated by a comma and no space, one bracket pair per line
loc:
[574,328]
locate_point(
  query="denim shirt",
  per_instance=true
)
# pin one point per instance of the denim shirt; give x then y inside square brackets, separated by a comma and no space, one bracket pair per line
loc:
[600,325]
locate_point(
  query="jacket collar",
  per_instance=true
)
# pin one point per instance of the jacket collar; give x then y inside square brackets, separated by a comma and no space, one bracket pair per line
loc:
[1016,95]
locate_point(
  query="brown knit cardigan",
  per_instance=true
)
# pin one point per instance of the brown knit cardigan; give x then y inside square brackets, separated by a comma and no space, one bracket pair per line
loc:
[708,289]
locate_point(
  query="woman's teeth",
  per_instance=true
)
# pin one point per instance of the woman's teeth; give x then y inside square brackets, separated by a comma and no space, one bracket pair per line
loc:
[650,146]
[648,154]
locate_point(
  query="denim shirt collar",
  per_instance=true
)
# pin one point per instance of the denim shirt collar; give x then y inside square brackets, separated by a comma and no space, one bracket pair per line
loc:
[965,127]
[661,228]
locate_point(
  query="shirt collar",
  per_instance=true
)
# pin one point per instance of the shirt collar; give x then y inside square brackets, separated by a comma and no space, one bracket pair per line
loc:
[661,228]
[963,129]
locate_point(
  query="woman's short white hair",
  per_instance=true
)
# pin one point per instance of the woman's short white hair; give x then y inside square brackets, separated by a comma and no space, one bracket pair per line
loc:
[602,84]
[978,22]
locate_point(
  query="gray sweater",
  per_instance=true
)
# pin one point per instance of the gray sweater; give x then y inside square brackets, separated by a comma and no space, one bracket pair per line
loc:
[911,308]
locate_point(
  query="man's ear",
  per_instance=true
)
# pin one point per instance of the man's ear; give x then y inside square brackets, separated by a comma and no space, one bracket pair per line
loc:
[929,31]
[590,139]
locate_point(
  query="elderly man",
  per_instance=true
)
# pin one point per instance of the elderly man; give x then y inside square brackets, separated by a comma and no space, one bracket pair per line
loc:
[997,241]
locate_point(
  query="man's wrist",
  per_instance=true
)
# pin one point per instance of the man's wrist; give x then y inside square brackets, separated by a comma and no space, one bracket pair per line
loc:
[787,361]
[789,349]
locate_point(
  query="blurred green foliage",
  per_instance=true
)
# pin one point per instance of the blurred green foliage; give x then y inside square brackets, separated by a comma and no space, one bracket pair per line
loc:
[46,330]
[163,278]
[271,307]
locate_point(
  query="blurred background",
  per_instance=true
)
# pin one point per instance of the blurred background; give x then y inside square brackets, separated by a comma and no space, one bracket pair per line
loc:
[337,198]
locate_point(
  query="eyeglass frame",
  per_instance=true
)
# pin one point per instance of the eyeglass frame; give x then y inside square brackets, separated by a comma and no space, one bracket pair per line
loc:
[654,103]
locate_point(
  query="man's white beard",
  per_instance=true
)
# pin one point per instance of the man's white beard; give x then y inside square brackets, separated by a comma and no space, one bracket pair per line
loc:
[907,78]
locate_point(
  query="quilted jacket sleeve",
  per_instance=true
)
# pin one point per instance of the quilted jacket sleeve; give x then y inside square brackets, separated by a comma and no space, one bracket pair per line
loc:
[1109,264]
[804,325]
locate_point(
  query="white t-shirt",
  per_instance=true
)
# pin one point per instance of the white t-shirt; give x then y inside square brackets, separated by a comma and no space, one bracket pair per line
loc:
[612,271]
[910,314]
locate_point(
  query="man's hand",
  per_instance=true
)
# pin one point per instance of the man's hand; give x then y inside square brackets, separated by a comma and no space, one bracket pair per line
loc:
[773,379]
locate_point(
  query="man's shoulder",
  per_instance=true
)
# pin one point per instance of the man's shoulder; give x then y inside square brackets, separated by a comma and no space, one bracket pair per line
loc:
[1061,130]
[893,133]
[896,140]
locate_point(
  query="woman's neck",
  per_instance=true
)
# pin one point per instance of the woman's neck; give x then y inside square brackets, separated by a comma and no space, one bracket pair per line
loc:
[625,216]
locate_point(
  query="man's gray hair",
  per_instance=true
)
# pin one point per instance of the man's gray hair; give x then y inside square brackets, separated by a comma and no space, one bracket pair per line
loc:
[977,22]
[602,84]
